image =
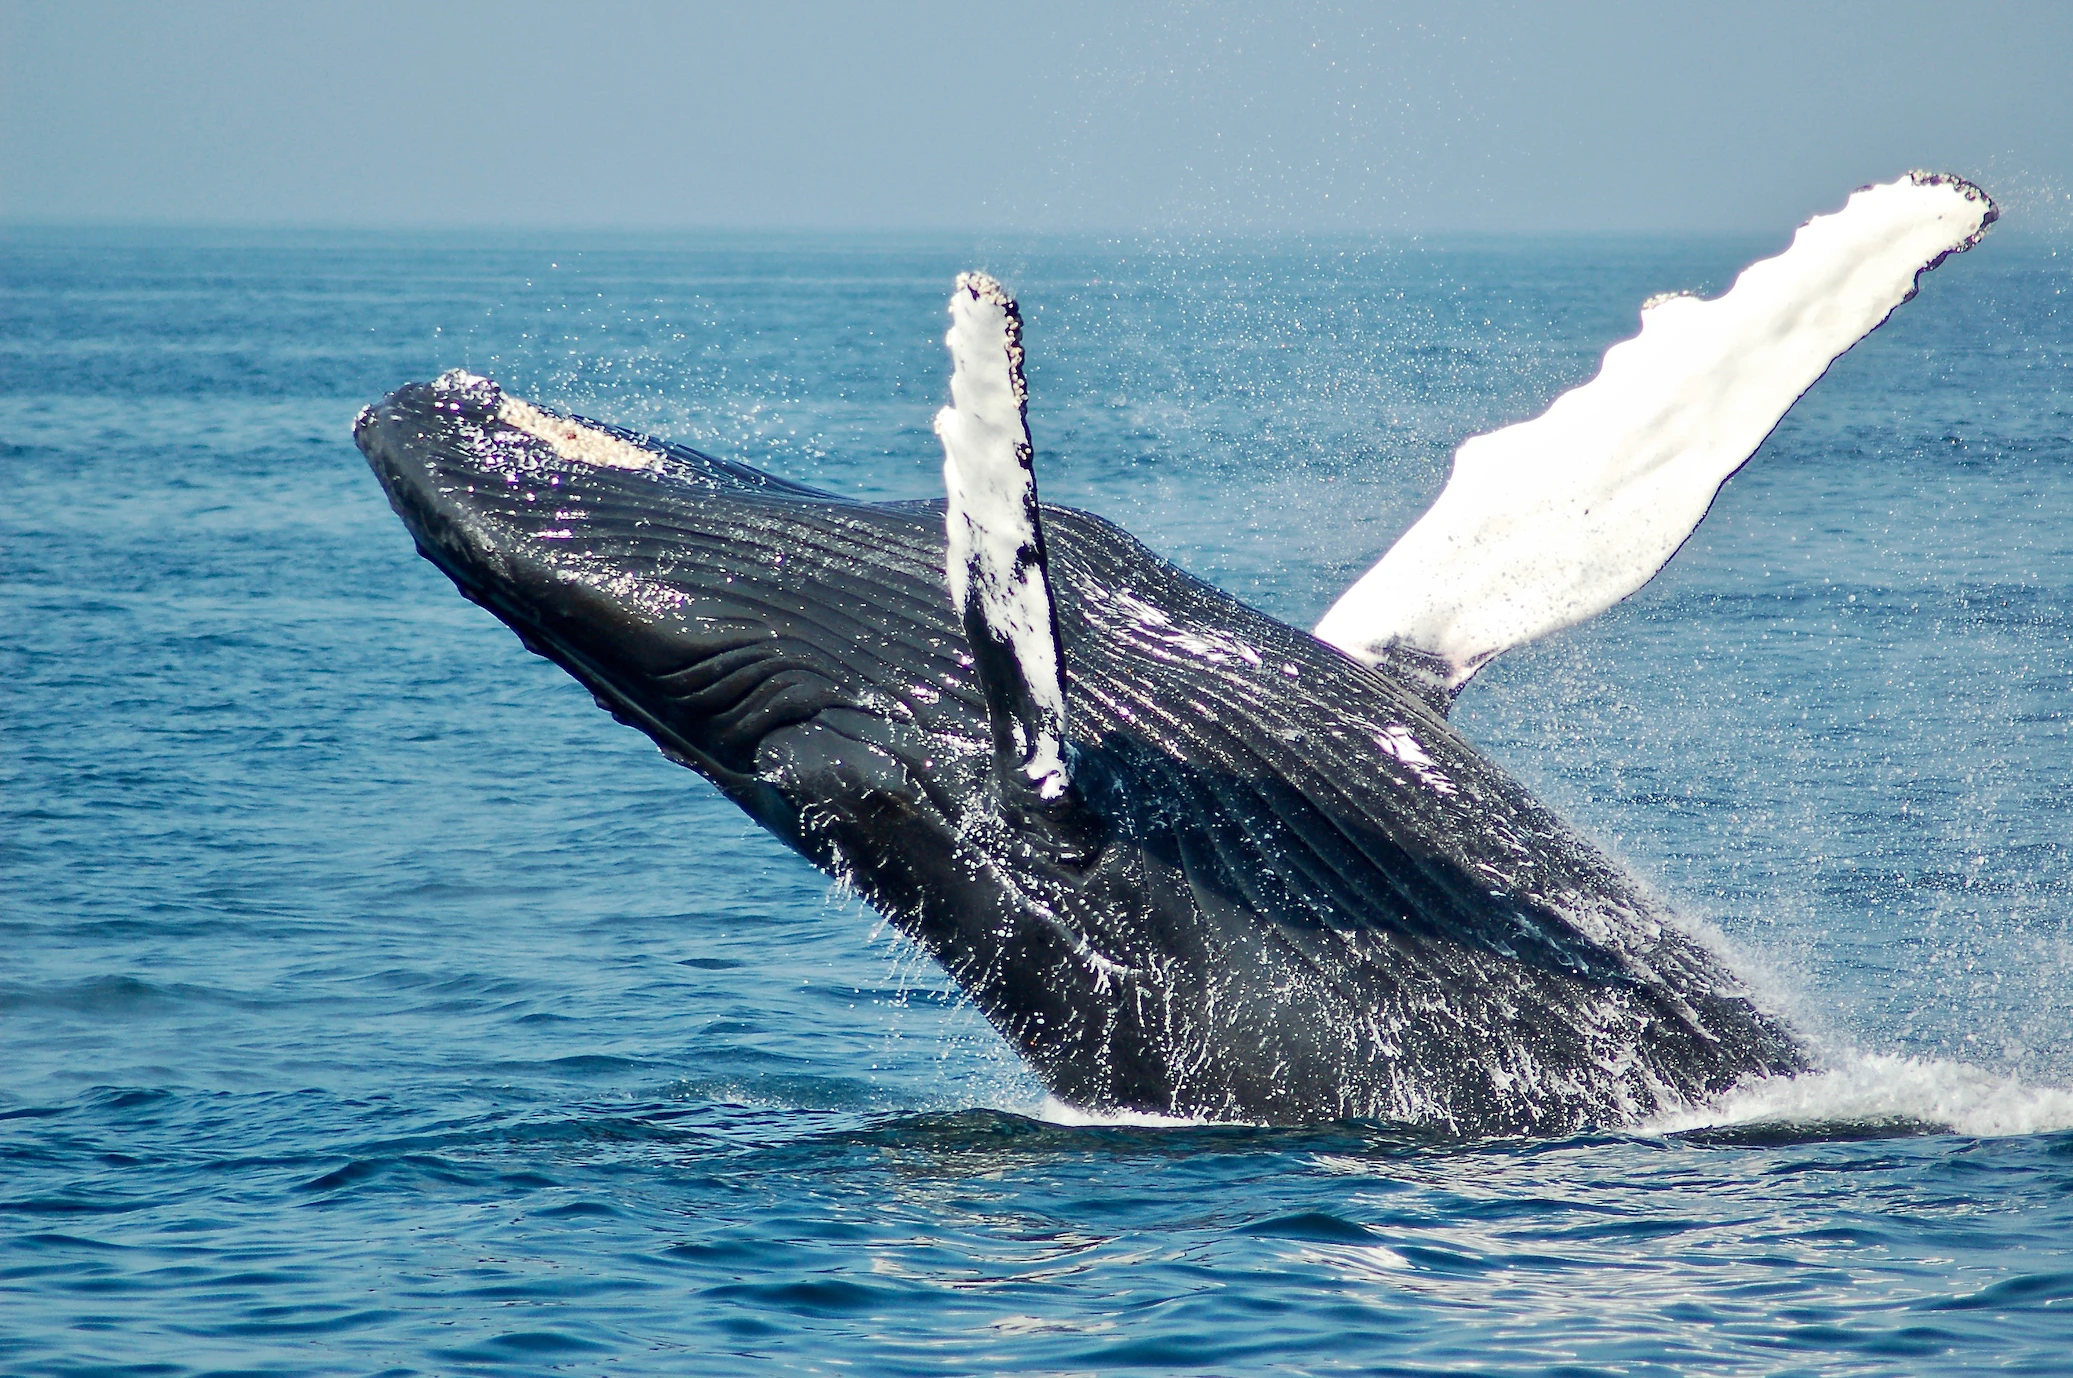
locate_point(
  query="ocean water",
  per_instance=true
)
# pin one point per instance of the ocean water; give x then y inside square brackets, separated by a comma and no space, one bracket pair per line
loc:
[371,1003]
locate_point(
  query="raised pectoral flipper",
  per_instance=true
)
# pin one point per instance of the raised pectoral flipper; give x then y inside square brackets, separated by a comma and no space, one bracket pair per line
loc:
[1553,520]
[998,580]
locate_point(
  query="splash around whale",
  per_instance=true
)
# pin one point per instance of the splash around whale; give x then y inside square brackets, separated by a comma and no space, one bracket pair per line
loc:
[1189,860]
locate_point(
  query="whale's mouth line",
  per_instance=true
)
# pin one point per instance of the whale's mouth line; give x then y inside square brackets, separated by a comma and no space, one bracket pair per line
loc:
[577,443]
[543,642]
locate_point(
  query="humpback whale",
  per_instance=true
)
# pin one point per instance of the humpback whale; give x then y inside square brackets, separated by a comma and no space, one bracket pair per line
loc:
[1187,859]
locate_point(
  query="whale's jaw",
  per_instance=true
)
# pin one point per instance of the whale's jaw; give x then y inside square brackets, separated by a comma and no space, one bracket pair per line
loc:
[1286,890]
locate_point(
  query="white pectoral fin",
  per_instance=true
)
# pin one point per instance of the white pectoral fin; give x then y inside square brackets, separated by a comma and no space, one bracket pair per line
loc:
[999,582]
[1550,522]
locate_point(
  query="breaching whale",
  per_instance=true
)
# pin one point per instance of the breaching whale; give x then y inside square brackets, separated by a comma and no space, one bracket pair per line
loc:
[1189,860]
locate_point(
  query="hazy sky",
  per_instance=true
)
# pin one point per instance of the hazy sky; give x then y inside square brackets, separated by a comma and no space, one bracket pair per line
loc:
[1222,117]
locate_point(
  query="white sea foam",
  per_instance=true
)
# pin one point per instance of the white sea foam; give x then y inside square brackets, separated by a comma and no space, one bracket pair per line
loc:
[1056,1111]
[1550,522]
[1881,1087]
[1861,1089]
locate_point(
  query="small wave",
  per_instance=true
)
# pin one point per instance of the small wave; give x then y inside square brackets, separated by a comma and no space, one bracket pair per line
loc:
[1884,1089]
[1056,1111]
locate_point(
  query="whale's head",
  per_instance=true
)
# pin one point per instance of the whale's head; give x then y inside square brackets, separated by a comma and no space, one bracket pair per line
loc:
[788,644]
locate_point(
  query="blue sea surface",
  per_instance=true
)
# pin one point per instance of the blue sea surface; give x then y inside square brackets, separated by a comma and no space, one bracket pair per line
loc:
[370,1003]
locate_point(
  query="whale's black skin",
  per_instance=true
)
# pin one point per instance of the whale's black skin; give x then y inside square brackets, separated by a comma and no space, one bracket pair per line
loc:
[1283,890]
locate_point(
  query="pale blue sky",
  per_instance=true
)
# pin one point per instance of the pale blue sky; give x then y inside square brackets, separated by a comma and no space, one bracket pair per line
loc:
[1218,117]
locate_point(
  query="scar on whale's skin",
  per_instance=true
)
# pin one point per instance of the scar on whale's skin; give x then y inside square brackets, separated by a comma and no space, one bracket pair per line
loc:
[1190,861]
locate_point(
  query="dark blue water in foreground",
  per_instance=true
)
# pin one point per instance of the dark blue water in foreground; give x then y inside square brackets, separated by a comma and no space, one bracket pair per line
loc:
[371,1003]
